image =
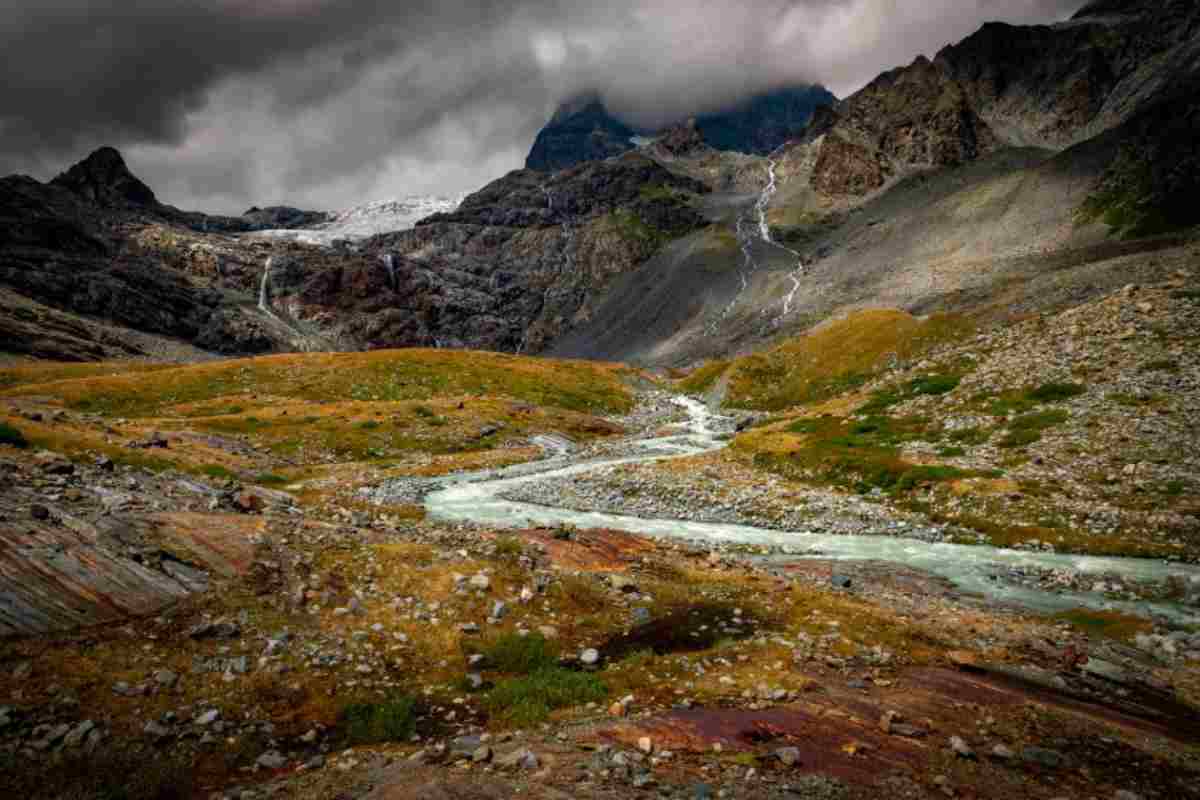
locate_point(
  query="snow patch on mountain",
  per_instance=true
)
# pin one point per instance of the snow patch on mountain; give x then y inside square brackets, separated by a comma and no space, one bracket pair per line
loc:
[367,220]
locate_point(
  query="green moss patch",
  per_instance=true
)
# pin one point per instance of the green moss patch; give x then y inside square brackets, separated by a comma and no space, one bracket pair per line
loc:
[530,699]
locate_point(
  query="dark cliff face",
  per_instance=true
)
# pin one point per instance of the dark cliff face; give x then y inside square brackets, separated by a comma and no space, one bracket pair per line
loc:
[1049,87]
[583,130]
[764,123]
[104,179]
[587,134]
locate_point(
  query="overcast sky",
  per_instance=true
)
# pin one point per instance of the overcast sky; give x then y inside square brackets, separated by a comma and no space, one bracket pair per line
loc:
[224,104]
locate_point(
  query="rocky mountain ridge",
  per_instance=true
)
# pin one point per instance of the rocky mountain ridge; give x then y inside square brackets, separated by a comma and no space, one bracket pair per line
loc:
[583,129]
[1016,150]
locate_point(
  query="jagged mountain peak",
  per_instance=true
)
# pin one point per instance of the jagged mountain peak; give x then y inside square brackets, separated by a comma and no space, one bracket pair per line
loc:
[1106,8]
[105,179]
[583,129]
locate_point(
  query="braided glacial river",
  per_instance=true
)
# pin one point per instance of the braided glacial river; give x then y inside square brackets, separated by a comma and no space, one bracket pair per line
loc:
[478,498]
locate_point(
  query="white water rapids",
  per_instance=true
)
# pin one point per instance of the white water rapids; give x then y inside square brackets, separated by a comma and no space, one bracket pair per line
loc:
[476,498]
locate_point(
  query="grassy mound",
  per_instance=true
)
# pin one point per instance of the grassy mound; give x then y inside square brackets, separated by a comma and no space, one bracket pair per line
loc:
[837,358]
[388,376]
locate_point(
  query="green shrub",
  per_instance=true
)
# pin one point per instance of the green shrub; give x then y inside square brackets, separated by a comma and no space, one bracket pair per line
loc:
[509,546]
[529,700]
[934,384]
[425,411]
[881,400]
[806,426]
[1056,392]
[521,655]
[216,471]
[971,436]
[13,437]
[369,425]
[923,475]
[269,478]
[1027,428]
[375,723]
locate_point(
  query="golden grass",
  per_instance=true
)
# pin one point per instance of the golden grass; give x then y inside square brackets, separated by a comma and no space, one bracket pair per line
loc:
[80,442]
[1106,624]
[835,359]
[367,430]
[393,375]
[1005,534]
[701,379]
[41,372]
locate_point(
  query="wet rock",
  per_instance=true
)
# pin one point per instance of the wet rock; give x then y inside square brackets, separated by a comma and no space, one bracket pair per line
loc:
[154,441]
[1040,756]
[221,629]
[156,730]
[39,512]
[499,609]
[1106,670]
[1003,753]
[166,678]
[58,466]
[841,582]
[961,748]
[272,760]
[521,758]
[79,733]
[465,745]
[48,736]
[207,718]
[788,756]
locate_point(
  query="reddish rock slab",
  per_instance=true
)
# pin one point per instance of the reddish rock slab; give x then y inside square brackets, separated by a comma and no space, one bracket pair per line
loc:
[57,577]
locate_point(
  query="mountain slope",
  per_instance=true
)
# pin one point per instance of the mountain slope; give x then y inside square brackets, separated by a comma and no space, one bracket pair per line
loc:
[912,194]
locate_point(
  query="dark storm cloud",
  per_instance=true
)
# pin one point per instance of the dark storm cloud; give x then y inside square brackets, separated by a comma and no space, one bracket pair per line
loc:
[223,103]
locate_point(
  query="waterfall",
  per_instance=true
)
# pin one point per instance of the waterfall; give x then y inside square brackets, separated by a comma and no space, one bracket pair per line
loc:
[746,242]
[764,200]
[263,303]
[299,338]
[765,231]
[389,261]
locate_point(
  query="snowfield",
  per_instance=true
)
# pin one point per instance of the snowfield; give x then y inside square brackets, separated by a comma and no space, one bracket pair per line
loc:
[365,221]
